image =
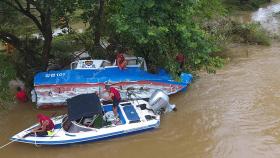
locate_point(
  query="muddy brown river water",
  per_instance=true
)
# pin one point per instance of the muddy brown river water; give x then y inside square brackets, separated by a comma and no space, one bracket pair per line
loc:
[234,113]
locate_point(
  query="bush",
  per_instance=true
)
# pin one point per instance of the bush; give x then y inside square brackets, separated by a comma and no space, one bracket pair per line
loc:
[224,29]
[251,33]
[7,73]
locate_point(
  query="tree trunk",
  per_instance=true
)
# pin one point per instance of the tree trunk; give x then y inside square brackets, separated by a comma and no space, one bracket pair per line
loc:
[98,24]
[47,34]
[46,51]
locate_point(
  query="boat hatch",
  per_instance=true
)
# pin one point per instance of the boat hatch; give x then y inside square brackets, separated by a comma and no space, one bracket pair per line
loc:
[109,108]
[131,114]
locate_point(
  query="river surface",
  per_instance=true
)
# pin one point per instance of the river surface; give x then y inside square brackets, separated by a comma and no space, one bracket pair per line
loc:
[234,113]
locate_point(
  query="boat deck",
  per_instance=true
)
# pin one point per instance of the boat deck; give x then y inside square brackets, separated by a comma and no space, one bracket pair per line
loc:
[126,111]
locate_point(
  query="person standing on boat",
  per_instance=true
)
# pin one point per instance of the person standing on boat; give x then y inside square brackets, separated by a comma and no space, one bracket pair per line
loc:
[46,125]
[21,95]
[120,60]
[115,96]
[181,59]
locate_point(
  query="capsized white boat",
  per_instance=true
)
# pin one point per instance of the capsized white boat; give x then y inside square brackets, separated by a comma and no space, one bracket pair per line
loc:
[88,120]
[53,88]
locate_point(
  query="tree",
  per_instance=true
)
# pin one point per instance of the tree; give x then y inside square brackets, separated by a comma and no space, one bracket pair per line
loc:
[35,16]
[159,29]
[93,13]
[39,12]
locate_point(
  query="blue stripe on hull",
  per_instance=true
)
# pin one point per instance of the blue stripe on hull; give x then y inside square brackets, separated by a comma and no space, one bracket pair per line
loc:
[100,76]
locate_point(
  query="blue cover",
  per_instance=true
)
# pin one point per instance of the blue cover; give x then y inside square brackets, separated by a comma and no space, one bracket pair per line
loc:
[103,75]
[131,114]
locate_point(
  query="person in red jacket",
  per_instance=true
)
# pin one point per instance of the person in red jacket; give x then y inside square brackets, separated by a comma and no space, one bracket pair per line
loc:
[181,59]
[121,62]
[45,127]
[21,95]
[115,96]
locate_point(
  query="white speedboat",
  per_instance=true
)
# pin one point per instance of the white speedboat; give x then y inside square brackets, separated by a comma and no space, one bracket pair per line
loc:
[88,120]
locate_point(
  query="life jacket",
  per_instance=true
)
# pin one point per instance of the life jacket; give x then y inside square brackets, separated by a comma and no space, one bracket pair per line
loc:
[42,118]
[116,93]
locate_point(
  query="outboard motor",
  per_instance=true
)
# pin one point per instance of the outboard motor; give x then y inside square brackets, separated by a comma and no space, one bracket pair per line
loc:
[159,102]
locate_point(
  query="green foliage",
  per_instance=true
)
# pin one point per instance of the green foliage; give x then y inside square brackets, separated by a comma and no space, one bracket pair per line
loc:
[7,73]
[89,11]
[63,13]
[64,45]
[251,33]
[224,29]
[158,30]
[10,20]
[68,43]
[27,64]
[208,9]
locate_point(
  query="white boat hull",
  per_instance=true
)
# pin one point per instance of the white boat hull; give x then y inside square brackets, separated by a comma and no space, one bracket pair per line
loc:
[127,126]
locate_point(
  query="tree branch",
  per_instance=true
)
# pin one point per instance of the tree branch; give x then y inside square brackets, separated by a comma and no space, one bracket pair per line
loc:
[36,5]
[27,13]
[28,6]
[11,5]
[19,5]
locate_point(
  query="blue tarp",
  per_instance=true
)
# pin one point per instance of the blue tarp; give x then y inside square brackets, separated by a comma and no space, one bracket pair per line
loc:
[104,75]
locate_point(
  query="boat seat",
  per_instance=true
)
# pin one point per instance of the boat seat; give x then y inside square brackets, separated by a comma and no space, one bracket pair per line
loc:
[89,121]
[149,117]
[142,106]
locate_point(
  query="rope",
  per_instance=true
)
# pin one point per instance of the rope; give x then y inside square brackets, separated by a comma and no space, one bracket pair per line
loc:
[11,141]
[3,146]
